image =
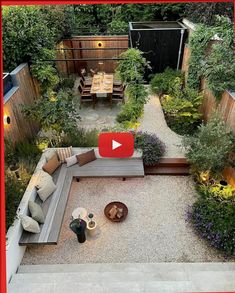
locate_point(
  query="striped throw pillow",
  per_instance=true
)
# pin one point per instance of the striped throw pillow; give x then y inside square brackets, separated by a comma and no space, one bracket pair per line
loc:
[64,153]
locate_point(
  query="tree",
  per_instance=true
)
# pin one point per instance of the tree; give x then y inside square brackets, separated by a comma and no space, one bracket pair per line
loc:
[206,12]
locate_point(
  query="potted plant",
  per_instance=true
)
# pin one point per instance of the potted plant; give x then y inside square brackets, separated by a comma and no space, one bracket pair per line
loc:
[91,225]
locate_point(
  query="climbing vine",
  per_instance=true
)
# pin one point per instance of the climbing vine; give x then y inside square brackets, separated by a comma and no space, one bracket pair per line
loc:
[213,61]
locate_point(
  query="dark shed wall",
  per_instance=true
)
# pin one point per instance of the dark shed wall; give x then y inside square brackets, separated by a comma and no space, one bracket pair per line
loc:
[160,47]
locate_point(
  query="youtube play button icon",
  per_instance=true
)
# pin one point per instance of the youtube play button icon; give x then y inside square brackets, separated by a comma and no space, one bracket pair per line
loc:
[116,145]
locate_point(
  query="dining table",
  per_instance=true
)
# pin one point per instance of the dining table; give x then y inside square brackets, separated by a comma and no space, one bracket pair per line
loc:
[102,84]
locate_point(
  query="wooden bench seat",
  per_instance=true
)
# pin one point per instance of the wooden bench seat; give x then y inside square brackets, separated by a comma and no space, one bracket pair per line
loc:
[123,168]
[54,206]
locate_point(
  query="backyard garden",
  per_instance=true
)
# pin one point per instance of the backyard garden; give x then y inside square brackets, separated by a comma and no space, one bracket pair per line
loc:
[165,116]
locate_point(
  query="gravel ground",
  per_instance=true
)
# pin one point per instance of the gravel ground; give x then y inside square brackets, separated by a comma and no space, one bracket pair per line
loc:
[155,229]
[154,121]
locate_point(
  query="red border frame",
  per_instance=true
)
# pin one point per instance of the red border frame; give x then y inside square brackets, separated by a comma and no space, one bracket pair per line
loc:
[3,284]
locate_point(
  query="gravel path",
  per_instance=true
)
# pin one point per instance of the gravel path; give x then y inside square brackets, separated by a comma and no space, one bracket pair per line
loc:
[154,231]
[154,121]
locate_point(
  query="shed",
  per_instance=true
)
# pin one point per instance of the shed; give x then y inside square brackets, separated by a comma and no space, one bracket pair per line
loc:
[161,41]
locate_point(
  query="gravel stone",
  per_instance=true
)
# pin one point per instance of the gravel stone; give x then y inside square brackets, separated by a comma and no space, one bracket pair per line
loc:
[155,229]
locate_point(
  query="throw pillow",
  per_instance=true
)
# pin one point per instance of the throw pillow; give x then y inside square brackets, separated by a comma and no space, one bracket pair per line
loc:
[36,212]
[49,153]
[51,165]
[46,190]
[64,153]
[86,157]
[71,160]
[29,224]
[41,178]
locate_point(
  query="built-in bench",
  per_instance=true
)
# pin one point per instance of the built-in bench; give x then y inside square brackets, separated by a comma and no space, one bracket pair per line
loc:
[54,206]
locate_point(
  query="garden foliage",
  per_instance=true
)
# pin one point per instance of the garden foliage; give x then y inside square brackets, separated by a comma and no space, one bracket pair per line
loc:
[213,61]
[214,221]
[153,148]
[167,82]
[211,147]
[131,70]
[180,104]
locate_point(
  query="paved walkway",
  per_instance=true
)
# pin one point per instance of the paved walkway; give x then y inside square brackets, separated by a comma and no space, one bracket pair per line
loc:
[154,121]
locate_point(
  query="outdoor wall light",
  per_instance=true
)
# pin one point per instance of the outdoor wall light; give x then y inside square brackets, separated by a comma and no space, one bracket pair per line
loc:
[99,44]
[6,120]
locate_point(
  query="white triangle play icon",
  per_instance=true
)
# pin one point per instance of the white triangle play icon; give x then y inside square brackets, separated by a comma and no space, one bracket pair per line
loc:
[115,144]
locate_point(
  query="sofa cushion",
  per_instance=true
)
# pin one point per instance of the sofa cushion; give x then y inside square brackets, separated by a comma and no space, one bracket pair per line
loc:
[64,153]
[29,224]
[46,189]
[71,160]
[49,153]
[41,178]
[51,165]
[86,157]
[36,212]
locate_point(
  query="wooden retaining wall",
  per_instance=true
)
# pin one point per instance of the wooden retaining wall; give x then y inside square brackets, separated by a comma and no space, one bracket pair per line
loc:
[109,66]
[25,91]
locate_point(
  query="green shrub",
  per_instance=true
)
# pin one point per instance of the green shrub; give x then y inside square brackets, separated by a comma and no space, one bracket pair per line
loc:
[67,83]
[132,68]
[210,148]
[217,191]
[130,111]
[54,112]
[167,82]
[217,64]
[214,221]
[182,110]
[46,74]
[153,148]
[117,26]
[81,138]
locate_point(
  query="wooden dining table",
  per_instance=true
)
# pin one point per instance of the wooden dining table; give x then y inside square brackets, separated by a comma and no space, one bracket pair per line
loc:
[102,84]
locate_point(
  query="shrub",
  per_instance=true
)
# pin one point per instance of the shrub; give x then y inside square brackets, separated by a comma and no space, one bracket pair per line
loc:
[67,83]
[80,138]
[117,26]
[167,82]
[46,74]
[130,111]
[132,68]
[131,71]
[153,148]
[54,112]
[215,62]
[182,110]
[210,148]
[214,221]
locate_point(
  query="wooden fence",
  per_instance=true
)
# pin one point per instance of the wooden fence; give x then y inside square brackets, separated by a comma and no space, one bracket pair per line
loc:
[104,49]
[24,92]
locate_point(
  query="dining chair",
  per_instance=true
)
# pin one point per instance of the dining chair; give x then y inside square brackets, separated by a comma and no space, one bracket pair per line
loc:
[85,87]
[118,96]
[87,80]
[86,97]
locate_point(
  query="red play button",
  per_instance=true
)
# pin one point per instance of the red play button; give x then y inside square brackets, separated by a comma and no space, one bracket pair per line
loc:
[116,145]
